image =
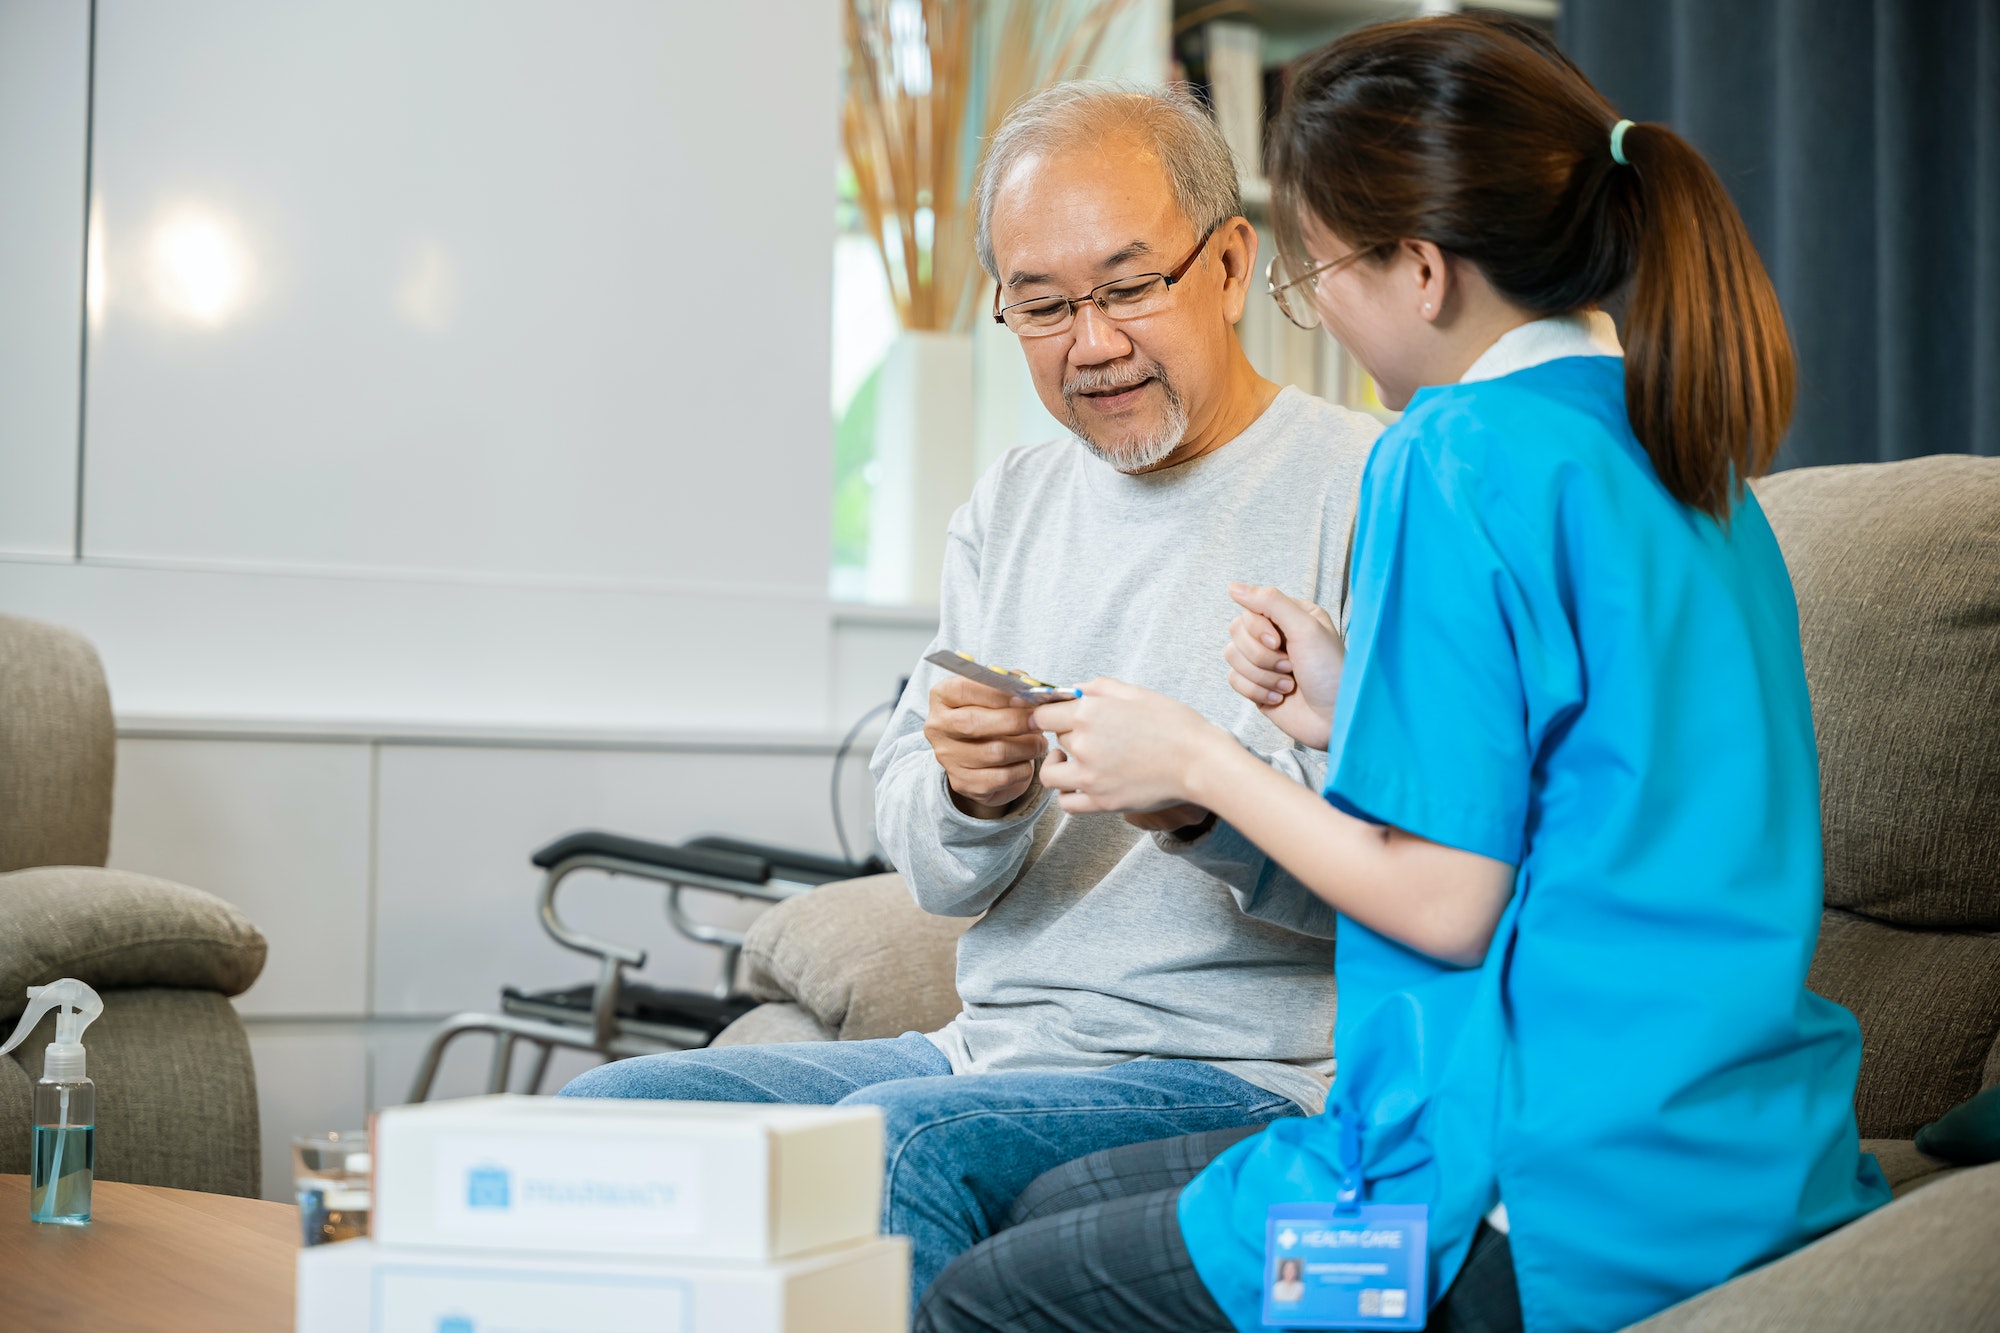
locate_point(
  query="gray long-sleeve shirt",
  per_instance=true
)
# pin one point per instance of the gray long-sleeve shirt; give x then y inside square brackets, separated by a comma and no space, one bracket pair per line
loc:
[1101,943]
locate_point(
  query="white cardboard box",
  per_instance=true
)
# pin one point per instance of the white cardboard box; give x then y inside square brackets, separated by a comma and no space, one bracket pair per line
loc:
[359,1286]
[650,1179]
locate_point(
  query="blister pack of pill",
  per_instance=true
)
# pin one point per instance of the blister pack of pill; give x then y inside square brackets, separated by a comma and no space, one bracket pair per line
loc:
[1017,683]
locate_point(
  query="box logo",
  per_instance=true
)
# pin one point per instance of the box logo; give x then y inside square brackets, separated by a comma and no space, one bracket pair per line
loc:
[579,1189]
[485,1187]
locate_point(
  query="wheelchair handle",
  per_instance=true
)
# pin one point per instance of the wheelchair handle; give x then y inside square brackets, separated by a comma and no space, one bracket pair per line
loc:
[575,939]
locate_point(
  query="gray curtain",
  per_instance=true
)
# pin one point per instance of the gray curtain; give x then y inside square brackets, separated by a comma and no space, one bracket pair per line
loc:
[1861,139]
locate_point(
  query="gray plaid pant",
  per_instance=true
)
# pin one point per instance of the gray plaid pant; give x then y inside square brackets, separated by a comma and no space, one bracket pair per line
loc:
[1095,1244]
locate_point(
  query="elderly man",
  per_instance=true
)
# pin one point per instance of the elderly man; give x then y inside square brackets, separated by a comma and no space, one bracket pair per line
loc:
[1129,979]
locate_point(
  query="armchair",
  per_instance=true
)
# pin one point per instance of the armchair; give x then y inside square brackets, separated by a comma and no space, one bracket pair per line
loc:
[177,1101]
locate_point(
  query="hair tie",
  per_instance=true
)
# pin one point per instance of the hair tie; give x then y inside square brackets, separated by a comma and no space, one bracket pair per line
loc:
[1618,142]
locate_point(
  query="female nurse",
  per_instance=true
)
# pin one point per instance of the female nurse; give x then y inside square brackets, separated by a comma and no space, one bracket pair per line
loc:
[1571,816]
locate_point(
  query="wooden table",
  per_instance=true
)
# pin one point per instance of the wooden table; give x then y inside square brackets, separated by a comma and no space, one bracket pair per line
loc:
[152,1260]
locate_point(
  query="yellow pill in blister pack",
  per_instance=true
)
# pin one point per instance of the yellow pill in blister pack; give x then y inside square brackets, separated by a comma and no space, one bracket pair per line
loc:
[1017,683]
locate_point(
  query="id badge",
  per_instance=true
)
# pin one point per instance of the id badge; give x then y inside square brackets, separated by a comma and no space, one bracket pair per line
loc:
[1361,1267]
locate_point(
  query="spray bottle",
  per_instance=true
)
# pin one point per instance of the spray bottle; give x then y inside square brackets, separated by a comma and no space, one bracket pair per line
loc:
[65,1105]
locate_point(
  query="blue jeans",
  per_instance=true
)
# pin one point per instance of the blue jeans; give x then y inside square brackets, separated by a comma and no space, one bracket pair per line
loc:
[959,1149]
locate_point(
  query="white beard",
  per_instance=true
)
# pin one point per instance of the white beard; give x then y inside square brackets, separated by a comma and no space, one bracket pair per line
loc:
[1148,451]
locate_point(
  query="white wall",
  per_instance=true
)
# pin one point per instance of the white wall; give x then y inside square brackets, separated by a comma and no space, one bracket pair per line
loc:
[208,644]
[44,66]
[474,288]
[389,872]
[455,455]
[446,361]
[391,876]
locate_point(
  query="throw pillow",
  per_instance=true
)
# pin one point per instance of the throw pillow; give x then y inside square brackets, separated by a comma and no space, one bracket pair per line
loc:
[1968,1134]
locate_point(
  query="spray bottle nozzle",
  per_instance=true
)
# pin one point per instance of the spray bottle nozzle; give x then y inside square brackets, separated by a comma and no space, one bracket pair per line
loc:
[79,1008]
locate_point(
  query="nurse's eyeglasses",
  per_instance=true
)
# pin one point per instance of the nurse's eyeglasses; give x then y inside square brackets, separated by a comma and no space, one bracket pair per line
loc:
[1298,306]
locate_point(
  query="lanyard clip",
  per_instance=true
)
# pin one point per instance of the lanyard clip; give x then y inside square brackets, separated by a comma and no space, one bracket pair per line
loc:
[1347,1202]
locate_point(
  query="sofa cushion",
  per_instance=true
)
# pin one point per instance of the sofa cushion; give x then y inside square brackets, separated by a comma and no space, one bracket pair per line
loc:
[772,1022]
[1904,1165]
[1929,1006]
[860,957]
[115,930]
[57,748]
[1897,571]
[1924,1261]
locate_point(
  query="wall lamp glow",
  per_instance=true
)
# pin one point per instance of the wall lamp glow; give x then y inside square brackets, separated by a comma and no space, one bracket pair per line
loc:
[198,266]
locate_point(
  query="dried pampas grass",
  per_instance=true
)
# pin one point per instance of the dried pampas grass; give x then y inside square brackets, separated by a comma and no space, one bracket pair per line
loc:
[927,82]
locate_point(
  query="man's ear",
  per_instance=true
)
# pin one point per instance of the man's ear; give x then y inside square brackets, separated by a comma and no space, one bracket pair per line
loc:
[1235,249]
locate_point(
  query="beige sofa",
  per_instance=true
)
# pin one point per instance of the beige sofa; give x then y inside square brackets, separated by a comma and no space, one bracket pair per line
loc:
[176,1099]
[1897,571]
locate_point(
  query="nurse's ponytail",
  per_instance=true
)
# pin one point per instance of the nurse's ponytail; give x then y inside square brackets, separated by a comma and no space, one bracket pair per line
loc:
[1478,135]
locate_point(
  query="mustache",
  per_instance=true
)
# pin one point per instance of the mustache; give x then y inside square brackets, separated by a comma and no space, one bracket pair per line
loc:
[1130,455]
[1095,379]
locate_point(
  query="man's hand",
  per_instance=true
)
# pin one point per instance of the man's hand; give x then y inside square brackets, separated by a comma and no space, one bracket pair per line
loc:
[1285,656]
[986,743]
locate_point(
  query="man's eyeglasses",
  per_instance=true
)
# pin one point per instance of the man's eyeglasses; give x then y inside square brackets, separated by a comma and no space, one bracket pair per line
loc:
[1298,306]
[1122,298]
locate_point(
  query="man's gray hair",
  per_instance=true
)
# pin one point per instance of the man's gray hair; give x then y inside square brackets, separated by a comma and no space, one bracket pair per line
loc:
[1169,121]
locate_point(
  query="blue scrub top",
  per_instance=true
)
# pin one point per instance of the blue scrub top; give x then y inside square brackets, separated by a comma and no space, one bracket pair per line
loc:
[1554,663]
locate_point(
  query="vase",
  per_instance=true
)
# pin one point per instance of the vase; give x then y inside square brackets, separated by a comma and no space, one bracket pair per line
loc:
[923,464]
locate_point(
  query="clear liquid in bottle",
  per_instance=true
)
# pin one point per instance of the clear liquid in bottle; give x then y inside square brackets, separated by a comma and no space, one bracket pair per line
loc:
[65,1151]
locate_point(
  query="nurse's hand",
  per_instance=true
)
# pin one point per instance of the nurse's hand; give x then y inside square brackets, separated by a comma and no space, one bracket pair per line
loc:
[1125,749]
[1285,656]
